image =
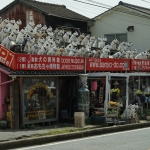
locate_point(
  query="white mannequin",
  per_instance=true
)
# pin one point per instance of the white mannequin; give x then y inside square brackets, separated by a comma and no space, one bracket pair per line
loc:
[147,89]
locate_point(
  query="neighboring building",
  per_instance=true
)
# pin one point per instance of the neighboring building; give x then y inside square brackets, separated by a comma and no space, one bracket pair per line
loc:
[125,22]
[45,13]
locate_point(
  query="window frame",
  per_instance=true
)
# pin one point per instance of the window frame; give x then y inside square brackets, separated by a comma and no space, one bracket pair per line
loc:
[115,34]
[53,118]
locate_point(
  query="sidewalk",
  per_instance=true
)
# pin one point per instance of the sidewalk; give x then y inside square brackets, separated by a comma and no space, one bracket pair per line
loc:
[19,138]
[8,134]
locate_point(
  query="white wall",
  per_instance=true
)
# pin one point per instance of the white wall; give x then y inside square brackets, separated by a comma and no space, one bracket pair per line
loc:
[117,22]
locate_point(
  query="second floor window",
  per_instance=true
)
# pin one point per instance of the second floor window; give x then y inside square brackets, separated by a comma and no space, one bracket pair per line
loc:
[120,37]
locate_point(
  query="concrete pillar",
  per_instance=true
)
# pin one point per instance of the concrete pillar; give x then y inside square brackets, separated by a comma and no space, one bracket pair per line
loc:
[83,95]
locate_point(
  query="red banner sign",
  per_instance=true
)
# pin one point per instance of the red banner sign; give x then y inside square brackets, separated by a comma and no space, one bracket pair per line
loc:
[108,64]
[140,65]
[45,62]
[7,57]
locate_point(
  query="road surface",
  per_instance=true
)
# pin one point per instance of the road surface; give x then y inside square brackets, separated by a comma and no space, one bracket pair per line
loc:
[129,140]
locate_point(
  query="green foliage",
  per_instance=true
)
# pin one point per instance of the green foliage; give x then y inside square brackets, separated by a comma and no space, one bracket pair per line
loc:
[146,112]
[142,117]
[117,90]
[65,130]
[147,93]
[27,126]
[111,111]
[32,126]
[22,127]
[104,124]
[88,121]
[139,92]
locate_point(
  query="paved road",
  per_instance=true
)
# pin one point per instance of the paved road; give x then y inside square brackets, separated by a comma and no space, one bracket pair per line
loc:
[128,140]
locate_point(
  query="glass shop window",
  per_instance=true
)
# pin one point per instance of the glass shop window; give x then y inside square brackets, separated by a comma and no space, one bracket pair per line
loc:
[120,37]
[39,98]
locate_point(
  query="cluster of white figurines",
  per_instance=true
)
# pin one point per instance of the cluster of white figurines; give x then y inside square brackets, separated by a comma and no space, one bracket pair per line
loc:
[43,40]
[129,112]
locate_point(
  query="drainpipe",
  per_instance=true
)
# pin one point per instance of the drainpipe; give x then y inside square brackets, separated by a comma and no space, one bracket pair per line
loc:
[107,87]
[85,65]
[127,91]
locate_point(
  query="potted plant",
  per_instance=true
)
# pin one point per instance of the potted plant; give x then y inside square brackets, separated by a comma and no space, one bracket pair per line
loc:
[139,93]
[115,91]
[147,113]
[147,94]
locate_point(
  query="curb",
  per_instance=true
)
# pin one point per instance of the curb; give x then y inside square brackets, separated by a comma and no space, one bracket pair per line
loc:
[67,136]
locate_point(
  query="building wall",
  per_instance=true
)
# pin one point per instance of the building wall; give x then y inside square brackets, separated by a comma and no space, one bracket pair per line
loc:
[4,91]
[117,22]
[21,12]
[25,14]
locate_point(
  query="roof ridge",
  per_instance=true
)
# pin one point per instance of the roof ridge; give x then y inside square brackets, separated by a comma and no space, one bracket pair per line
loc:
[49,9]
[43,3]
[50,4]
[127,4]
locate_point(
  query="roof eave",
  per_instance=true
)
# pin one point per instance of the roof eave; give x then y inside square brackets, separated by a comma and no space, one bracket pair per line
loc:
[137,10]
[8,6]
[105,12]
[14,2]
[39,10]
[70,18]
[52,14]
[33,7]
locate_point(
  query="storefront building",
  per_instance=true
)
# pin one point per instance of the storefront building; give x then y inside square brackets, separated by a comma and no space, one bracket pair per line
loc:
[34,89]
[42,86]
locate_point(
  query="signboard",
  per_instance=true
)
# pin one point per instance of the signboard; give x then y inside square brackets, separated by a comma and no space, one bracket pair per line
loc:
[7,57]
[140,65]
[108,64]
[45,62]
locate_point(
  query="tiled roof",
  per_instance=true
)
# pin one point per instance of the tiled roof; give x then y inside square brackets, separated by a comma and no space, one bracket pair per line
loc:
[34,73]
[135,7]
[50,9]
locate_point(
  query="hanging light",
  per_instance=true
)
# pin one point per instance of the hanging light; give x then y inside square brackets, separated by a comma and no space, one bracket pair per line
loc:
[94,85]
[115,83]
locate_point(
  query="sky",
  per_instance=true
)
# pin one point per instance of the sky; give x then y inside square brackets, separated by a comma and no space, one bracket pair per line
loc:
[88,9]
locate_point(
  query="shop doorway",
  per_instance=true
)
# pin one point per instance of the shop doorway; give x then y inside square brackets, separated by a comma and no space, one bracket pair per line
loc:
[67,96]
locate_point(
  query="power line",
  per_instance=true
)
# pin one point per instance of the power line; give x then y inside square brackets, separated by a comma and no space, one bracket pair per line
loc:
[121,18]
[92,9]
[88,11]
[98,3]
[115,10]
[91,4]
[116,18]
[145,1]
[108,9]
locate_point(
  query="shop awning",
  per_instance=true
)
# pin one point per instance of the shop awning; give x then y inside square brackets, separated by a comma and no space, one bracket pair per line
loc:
[39,73]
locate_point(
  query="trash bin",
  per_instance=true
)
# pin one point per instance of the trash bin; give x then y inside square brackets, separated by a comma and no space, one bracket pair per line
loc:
[79,119]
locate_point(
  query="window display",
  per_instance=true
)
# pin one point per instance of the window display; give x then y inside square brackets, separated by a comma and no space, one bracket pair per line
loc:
[39,98]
